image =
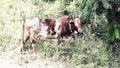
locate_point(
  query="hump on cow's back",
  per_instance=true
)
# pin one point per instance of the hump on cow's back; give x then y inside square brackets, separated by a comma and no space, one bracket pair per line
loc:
[34,21]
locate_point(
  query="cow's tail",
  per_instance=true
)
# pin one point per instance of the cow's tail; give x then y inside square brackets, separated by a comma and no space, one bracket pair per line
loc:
[23,30]
[22,41]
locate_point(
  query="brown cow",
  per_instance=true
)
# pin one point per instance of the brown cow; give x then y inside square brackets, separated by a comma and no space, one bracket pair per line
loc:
[35,27]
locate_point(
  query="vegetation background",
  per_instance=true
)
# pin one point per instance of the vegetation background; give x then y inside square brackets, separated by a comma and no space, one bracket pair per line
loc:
[98,47]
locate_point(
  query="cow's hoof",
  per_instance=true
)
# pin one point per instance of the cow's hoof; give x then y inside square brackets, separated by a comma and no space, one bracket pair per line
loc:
[21,51]
[59,42]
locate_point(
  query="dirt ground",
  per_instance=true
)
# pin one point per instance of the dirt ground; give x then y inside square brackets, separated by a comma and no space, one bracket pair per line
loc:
[8,60]
[39,63]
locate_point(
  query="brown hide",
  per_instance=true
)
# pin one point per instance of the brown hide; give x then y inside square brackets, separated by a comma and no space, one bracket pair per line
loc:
[63,30]
[51,25]
[65,26]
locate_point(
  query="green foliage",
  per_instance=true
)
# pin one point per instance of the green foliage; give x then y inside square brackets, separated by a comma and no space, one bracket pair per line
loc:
[113,31]
[113,26]
[92,10]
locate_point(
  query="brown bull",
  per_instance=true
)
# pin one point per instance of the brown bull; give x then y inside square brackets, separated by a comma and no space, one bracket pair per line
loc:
[35,27]
[60,29]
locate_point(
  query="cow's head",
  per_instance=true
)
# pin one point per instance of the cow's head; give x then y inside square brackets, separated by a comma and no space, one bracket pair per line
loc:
[76,25]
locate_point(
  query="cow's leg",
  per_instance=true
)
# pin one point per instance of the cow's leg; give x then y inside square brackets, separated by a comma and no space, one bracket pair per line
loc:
[26,37]
[32,45]
[59,41]
[59,35]
[32,40]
